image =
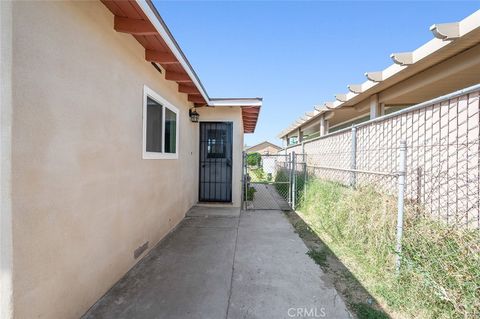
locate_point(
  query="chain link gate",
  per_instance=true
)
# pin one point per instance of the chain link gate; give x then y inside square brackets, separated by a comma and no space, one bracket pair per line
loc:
[273,181]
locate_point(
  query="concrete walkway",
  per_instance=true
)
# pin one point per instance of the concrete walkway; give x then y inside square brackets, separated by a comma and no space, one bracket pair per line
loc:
[223,264]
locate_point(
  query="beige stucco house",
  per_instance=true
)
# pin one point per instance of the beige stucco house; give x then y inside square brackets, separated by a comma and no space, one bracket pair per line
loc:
[100,158]
[447,63]
[264,147]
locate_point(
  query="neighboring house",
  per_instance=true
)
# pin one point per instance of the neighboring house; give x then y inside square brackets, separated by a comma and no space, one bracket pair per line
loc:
[447,63]
[263,148]
[100,158]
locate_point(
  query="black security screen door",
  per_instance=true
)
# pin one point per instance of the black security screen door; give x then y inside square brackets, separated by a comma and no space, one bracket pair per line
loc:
[215,162]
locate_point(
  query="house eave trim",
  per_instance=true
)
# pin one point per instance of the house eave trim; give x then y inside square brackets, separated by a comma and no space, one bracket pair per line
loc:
[152,14]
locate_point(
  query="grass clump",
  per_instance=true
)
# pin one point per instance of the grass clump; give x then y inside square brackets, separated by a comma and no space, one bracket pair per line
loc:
[280,180]
[440,275]
[257,175]
[319,256]
[364,311]
[282,183]
[250,193]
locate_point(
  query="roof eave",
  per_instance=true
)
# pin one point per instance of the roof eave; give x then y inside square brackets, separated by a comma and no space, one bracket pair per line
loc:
[152,14]
[236,102]
[156,20]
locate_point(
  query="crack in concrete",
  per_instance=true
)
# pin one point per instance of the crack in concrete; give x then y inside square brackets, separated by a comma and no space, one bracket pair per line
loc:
[233,267]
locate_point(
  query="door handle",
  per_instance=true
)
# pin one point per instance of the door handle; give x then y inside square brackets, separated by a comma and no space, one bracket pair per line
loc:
[229,162]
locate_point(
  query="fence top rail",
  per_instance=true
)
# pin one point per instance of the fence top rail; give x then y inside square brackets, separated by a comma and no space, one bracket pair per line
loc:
[394,174]
[269,155]
[291,146]
[412,108]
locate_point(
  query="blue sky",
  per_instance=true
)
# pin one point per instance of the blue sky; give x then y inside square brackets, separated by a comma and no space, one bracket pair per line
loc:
[297,54]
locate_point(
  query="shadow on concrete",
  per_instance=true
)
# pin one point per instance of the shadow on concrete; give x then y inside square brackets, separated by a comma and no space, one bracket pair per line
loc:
[226,264]
[355,295]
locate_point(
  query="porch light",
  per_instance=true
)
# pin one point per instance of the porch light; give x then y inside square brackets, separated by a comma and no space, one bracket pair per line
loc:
[193,115]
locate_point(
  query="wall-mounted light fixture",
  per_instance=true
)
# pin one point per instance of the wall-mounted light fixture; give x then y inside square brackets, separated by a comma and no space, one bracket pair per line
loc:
[193,115]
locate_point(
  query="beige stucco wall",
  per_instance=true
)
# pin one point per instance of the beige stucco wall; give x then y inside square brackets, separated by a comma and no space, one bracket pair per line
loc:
[6,249]
[231,114]
[82,197]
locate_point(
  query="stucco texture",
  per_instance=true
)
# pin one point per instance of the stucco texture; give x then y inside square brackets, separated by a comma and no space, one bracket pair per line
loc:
[82,197]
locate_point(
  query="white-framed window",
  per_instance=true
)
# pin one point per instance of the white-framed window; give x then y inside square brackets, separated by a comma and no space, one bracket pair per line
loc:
[160,127]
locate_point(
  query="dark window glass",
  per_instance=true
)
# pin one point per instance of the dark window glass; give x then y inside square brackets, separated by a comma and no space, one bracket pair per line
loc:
[154,126]
[170,131]
[216,146]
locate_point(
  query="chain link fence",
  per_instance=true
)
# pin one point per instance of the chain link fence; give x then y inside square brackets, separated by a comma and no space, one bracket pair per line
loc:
[434,204]
[442,139]
[267,183]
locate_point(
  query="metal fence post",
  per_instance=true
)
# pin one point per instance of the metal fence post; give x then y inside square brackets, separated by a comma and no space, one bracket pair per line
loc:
[289,170]
[245,180]
[353,164]
[294,180]
[402,169]
[303,151]
[304,159]
[305,177]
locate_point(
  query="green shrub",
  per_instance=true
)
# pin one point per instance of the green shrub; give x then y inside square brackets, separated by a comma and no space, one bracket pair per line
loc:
[257,175]
[254,159]
[250,193]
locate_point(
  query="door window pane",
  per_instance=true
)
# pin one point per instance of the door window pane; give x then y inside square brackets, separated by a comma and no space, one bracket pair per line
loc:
[216,146]
[170,131]
[154,126]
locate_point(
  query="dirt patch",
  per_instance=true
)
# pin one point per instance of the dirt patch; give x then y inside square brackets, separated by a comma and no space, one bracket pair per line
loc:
[357,298]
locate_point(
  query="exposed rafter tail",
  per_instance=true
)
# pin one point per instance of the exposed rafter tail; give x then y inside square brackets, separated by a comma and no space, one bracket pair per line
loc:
[355,88]
[402,58]
[329,105]
[375,76]
[342,97]
[446,31]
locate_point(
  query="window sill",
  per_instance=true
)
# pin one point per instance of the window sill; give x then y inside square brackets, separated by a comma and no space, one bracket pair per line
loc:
[156,156]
